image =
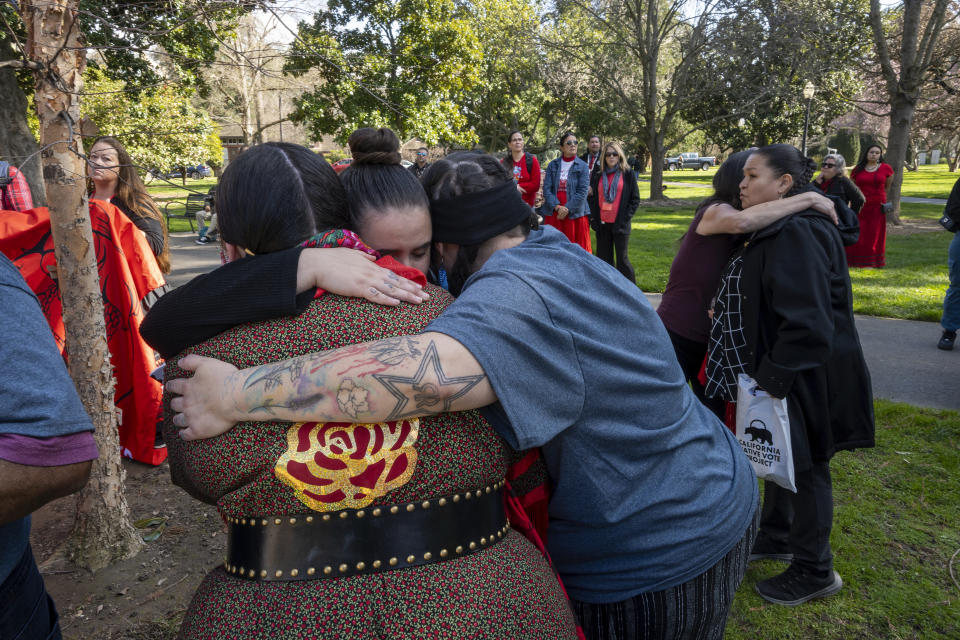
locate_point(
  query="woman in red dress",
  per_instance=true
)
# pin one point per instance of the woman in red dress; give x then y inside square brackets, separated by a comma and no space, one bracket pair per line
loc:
[872,175]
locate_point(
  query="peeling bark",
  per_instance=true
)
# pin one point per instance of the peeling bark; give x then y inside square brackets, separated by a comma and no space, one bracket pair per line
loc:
[103,532]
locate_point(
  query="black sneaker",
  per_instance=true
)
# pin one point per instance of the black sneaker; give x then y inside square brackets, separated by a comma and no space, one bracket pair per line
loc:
[796,586]
[947,340]
[202,240]
[764,549]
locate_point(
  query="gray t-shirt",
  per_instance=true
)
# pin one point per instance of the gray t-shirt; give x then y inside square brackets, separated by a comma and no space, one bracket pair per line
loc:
[37,397]
[650,489]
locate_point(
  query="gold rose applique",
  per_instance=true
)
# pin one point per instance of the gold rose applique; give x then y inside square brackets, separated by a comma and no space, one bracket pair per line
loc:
[338,465]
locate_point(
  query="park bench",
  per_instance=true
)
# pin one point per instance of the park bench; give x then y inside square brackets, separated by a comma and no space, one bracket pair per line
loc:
[195,203]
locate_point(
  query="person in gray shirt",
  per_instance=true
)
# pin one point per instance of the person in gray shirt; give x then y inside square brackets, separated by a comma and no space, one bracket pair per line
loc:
[653,503]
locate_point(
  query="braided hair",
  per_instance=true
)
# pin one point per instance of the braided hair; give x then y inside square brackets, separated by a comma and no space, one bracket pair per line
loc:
[786,158]
[463,173]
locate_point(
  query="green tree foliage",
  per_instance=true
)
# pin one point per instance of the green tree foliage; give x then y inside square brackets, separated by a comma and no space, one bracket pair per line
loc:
[403,64]
[187,34]
[161,129]
[514,93]
[847,144]
[751,83]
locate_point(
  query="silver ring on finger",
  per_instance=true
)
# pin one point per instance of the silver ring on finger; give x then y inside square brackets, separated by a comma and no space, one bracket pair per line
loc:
[373,291]
[179,420]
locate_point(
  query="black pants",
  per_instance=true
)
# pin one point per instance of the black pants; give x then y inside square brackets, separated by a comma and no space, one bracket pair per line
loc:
[608,242]
[26,611]
[690,354]
[801,521]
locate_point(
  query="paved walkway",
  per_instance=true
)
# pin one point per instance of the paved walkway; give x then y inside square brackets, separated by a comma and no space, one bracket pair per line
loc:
[911,199]
[905,364]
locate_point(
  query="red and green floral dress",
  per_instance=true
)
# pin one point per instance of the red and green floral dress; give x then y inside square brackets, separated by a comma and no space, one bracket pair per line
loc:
[504,591]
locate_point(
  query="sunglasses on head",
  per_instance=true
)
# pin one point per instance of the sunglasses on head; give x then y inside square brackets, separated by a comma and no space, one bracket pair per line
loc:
[829,165]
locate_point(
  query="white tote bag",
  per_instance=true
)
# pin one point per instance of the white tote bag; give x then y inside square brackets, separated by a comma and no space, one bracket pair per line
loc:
[763,431]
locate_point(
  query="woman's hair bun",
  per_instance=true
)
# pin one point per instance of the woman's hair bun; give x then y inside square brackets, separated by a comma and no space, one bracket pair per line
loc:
[374,146]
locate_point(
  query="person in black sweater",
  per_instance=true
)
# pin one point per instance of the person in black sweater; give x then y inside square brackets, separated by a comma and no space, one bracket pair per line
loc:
[834,181]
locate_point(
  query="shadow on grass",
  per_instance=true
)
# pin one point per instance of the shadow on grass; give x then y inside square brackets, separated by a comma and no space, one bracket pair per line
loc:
[895,530]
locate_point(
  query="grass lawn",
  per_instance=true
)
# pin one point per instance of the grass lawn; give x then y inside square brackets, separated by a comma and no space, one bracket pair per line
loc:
[165,191]
[162,190]
[929,181]
[911,286]
[895,530]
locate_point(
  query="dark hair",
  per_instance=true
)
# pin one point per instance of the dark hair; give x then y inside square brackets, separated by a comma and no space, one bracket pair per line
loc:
[786,158]
[726,182]
[133,194]
[599,139]
[508,161]
[459,174]
[566,135]
[861,165]
[376,180]
[275,195]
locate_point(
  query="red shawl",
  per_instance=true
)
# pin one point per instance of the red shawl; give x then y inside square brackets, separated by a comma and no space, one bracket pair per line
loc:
[128,273]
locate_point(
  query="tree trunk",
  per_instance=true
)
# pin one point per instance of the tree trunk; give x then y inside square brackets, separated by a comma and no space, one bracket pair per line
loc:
[102,532]
[657,153]
[901,117]
[17,144]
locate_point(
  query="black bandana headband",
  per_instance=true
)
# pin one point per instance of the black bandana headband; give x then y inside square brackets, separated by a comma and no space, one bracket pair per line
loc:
[476,217]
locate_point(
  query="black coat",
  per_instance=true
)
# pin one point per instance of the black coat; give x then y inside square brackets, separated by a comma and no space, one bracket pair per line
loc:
[629,201]
[844,188]
[801,340]
[596,165]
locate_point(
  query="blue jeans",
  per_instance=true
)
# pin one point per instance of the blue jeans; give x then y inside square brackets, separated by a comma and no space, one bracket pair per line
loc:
[26,611]
[951,301]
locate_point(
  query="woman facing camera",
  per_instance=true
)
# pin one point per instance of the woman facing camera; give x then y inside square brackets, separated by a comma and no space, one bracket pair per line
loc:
[834,181]
[784,316]
[524,166]
[115,180]
[614,198]
[565,187]
[873,177]
[392,528]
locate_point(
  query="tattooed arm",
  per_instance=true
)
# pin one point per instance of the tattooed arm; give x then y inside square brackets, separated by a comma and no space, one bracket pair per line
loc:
[390,379]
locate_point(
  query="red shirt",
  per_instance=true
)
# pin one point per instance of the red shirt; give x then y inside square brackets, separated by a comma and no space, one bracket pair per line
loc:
[528,180]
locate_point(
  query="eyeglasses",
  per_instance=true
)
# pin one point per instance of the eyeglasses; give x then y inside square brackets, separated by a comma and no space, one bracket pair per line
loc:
[613,154]
[828,165]
[517,140]
[422,155]
[571,143]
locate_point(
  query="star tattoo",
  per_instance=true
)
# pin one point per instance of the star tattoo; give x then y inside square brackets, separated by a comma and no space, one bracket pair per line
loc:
[424,389]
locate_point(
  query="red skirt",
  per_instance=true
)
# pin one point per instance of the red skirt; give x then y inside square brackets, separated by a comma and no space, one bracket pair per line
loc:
[870,249]
[577,229]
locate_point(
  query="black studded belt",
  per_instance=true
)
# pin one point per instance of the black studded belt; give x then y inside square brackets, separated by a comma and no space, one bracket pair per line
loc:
[359,541]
